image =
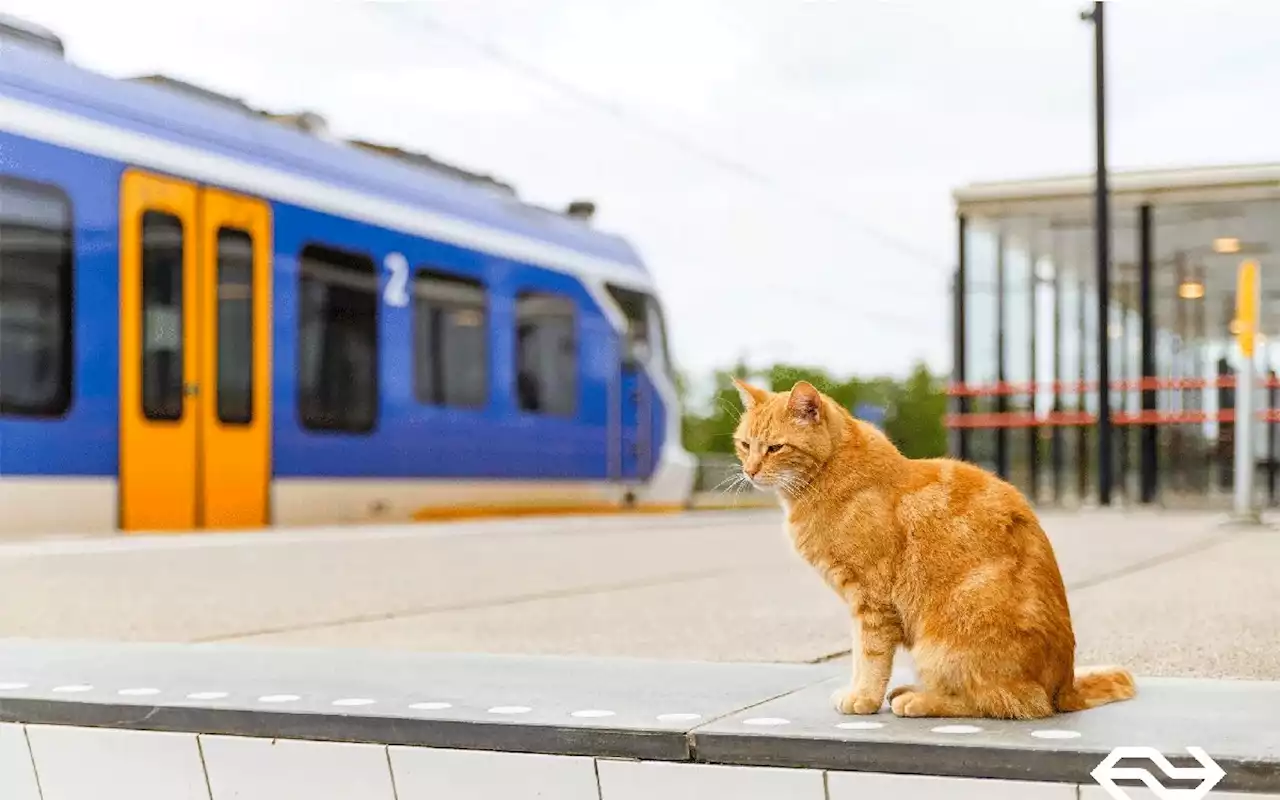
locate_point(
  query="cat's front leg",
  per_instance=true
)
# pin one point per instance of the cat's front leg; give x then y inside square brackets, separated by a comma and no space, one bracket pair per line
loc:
[873,651]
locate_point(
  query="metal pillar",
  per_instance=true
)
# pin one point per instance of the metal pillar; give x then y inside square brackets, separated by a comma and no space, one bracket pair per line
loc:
[1102,227]
[1148,467]
[1271,440]
[1002,399]
[1033,432]
[1246,375]
[1056,443]
[961,334]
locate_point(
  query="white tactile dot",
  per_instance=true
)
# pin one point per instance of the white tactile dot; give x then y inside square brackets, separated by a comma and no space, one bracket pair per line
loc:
[1054,734]
[208,695]
[592,713]
[860,726]
[678,717]
[278,698]
[957,729]
[766,722]
[354,701]
[141,691]
[73,688]
[510,710]
[12,686]
[430,706]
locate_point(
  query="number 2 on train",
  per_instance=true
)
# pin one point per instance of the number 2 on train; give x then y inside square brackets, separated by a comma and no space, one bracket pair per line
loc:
[395,294]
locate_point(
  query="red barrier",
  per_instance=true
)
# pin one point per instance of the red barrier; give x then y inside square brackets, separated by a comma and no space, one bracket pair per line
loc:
[1127,385]
[1026,419]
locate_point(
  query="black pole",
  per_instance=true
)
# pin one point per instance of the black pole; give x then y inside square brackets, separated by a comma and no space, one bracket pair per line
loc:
[1148,467]
[1055,449]
[1002,399]
[961,333]
[1033,432]
[1102,227]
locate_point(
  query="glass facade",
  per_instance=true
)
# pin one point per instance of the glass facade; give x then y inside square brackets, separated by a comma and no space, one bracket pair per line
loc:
[1027,295]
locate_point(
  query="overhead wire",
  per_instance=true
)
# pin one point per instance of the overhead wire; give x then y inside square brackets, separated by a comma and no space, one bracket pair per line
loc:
[697,149]
[531,71]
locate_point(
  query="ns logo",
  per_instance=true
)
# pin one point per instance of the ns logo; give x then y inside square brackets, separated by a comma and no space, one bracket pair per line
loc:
[1107,773]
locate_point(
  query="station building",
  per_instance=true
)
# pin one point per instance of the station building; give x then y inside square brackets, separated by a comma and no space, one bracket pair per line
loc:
[1025,390]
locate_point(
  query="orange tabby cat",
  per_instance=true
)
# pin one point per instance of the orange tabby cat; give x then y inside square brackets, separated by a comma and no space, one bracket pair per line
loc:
[937,556]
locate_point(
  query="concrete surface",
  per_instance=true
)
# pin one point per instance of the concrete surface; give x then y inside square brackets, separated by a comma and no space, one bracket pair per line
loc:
[745,715]
[1167,594]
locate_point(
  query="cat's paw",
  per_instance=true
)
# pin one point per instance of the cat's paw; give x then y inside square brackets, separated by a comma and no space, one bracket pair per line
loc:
[907,701]
[899,690]
[851,701]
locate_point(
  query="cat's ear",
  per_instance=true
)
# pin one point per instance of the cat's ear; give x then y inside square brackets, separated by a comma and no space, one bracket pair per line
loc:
[805,403]
[751,396]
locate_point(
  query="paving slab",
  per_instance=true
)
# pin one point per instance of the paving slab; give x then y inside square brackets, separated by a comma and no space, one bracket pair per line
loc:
[1236,722]
[765,715]
[616,708]
[1168,594]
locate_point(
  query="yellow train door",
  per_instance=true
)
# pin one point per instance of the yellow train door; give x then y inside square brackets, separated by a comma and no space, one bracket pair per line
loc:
[235,415]
[195,380]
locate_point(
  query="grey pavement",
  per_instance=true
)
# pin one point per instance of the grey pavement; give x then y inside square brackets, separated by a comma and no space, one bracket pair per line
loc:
[1165,593]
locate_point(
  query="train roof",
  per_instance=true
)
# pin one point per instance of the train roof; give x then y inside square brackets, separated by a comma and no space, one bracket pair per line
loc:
[467,202]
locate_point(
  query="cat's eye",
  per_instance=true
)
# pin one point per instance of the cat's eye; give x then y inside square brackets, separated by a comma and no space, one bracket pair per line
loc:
[742,444]
[773,448]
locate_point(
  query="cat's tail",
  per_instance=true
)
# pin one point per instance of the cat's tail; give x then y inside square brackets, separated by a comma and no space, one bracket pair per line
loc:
[1096,687]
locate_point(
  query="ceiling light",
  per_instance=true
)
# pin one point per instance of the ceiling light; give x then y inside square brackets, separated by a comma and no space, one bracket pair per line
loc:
[1190,290]
[1226,245]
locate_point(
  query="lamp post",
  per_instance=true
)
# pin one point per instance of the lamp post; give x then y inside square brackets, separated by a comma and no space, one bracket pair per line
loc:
[1102,228]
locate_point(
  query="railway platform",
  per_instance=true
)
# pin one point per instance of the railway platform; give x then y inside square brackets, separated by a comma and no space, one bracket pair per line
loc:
[682,656]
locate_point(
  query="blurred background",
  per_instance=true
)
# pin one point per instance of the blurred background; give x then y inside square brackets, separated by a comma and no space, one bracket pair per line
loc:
[323,265]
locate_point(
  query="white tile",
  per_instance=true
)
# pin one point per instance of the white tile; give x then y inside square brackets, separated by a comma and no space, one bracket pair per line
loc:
[17,775]
[423,773]
[241,768]
[1095,792]
[879,786]
[655,780]
[110,764]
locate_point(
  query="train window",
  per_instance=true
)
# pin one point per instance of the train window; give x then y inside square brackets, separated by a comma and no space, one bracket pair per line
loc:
[450,340]
[546,354]
[337,340]
[162,316]
[35,299]
[646,329]
[234,323]
[635,308]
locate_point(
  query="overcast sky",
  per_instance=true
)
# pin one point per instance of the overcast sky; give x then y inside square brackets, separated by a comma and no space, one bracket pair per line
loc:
[855,119]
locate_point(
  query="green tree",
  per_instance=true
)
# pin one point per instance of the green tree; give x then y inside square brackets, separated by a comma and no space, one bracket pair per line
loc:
[915,407]
[916,419]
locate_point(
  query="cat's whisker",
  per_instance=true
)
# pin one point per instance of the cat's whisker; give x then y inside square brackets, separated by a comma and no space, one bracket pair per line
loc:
[729,481]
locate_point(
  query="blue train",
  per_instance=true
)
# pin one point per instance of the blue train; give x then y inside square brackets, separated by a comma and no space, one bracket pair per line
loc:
[210,319]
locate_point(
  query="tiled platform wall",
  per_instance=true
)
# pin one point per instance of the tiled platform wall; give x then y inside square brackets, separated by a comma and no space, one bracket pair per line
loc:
[51,762]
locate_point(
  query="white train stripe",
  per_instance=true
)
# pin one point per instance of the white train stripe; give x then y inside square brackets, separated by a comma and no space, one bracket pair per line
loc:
[58,505]
[62,510]
[102,139]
